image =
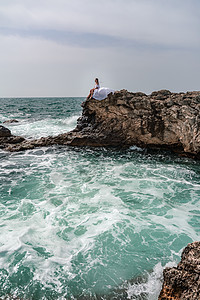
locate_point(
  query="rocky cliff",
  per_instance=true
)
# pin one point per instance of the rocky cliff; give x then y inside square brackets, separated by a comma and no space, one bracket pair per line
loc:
[183,282]
[162,119]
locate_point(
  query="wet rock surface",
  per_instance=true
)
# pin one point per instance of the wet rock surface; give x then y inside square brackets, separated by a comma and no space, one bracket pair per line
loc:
[183,282]
[160,120]
[7,139]
[11,141]
[4,132]
[10,121]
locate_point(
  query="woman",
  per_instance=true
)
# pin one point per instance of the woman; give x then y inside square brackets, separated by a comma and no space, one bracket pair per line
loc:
[96,87]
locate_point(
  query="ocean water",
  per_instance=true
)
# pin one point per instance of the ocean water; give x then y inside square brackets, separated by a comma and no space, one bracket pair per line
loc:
[83,223]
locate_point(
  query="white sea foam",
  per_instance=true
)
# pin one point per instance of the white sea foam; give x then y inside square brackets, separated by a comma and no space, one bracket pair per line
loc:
[135,148]
[152,286]
[42,128]
[93,218]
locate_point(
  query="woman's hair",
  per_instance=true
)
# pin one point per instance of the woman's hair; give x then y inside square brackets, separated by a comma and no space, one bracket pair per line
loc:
[96,79]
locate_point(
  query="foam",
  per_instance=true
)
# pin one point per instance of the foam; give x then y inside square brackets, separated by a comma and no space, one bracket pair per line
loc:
[94,218]
[42,128]
[152,287]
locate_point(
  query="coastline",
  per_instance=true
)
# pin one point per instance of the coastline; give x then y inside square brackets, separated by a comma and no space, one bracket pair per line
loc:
[162,120]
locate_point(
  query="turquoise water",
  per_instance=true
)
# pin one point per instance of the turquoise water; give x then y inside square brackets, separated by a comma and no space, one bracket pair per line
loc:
[89,223]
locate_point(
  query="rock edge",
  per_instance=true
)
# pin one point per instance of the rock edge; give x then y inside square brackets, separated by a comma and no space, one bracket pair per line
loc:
[183,282]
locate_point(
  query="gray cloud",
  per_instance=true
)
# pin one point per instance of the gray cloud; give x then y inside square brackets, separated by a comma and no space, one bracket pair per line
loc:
[169,23]
[153,43]
[90,40]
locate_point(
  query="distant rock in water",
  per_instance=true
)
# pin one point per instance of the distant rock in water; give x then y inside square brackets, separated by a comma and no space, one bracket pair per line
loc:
[4,132]
[183,282]
[160,120]
[10,121]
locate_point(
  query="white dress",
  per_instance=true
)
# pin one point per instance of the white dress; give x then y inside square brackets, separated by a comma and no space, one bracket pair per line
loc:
[101,93]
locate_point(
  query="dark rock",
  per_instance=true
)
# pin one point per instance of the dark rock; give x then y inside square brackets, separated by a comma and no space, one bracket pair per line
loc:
[10,121]
[183,282]
[161,93]
[4,132]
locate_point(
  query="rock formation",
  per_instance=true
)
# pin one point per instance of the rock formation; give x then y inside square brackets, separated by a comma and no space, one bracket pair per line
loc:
[160,120]
[7,139]
[183,282]
[4,132]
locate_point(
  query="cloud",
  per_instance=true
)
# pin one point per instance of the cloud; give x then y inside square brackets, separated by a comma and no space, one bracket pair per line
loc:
[57,47]
[89,40]
[167,23]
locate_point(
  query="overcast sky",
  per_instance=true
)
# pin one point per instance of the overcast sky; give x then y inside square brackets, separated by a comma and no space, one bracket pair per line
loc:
[57,47]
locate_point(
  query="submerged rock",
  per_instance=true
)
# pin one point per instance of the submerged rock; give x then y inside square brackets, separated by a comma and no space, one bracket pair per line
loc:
[160,120]
[10,121]
[183,282]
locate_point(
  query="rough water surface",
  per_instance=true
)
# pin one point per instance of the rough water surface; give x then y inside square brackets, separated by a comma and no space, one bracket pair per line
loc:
[89,223]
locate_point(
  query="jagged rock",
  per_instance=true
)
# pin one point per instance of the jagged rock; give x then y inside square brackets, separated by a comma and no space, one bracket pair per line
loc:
[4,132]
[10,121]
[183,282]
[162,119]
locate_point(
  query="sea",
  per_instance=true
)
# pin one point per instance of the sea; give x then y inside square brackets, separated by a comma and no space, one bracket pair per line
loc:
[89,223]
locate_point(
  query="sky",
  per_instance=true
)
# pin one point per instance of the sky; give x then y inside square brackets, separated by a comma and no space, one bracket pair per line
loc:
[56,48]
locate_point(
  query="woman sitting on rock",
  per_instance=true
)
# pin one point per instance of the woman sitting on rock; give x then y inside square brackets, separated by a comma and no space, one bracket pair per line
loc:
[96,87]
[98,93]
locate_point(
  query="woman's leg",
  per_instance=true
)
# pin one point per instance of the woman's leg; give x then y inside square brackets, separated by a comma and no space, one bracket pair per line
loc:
[90,94]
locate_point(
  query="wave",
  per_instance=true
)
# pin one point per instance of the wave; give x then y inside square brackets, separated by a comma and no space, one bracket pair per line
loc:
[43,128]
[151,286]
